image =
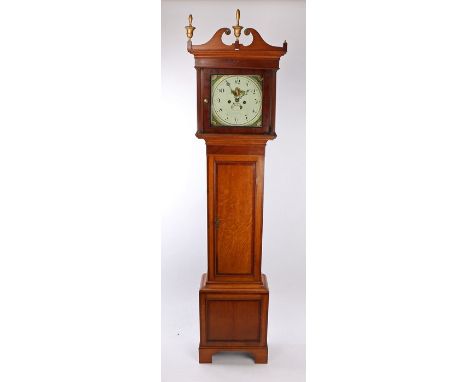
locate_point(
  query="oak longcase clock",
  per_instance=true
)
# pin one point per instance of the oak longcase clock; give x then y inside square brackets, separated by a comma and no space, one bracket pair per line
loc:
[236,99]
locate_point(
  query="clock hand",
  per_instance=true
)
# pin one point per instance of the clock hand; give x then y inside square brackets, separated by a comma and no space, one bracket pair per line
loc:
[243,93]
[232,91]
[238,94]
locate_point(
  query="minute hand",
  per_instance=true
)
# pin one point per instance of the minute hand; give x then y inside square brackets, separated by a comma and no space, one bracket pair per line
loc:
[230,87]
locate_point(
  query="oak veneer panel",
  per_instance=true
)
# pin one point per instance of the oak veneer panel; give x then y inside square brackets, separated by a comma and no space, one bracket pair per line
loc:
[235,207]
[233,320]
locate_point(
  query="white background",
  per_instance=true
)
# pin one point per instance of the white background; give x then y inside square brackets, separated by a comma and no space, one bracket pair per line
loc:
[79,226]
[80,132]
[387,229]
[184,236]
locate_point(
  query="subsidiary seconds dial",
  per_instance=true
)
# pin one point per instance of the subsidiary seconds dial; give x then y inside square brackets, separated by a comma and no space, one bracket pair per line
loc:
[236,100]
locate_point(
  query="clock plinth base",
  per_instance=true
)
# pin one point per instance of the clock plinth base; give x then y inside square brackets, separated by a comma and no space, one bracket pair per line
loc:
[233,318]
[259,355]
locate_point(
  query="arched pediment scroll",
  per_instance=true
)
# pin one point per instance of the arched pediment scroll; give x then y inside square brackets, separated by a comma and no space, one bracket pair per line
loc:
[215,47]
[215,42]
[259,43]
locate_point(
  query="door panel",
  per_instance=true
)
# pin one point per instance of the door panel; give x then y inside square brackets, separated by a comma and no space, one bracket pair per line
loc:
[234,217]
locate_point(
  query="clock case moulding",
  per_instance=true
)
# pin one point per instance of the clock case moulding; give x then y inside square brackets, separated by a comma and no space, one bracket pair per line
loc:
[234,294]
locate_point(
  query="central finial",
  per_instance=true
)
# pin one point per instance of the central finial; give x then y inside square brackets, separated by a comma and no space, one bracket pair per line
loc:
[237,28]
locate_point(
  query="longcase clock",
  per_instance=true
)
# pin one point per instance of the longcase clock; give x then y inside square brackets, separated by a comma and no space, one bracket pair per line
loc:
[236,101]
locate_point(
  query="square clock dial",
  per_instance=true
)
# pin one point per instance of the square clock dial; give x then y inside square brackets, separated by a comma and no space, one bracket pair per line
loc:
[236,100]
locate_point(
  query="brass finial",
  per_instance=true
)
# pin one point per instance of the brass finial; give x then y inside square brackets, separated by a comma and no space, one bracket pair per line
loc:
[189,28]
[237,28]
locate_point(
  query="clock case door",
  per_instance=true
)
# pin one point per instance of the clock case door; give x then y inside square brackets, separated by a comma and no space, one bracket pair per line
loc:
[235,217]
[204,101]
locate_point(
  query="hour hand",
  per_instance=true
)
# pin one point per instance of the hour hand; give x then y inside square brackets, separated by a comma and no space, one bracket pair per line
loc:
[243,93]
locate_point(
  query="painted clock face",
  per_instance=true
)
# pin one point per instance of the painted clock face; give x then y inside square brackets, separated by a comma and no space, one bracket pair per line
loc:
[236,100]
